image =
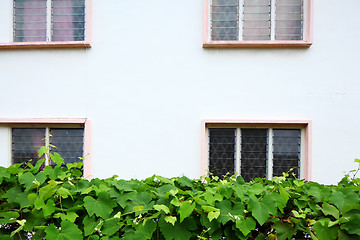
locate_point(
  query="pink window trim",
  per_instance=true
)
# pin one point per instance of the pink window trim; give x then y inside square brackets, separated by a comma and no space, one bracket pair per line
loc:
[60,44]
[306,124]
[308,35]
[64,121]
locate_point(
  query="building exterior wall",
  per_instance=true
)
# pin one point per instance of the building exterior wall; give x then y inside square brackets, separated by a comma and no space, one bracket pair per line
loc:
[146,85]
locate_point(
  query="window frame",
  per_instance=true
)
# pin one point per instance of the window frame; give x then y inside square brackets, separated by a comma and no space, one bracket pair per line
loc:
[53,44]
[306,136]
[48,123]
[307,29]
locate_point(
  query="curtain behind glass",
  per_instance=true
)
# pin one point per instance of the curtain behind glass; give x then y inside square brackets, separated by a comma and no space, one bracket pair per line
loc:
[25,144]
[29,20]
[68,20]
[289,20]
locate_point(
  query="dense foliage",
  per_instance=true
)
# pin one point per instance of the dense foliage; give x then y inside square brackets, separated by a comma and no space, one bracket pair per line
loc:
[57,203]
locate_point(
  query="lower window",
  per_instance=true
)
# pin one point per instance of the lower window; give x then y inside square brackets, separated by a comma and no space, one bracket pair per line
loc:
[256,151]
[68,142]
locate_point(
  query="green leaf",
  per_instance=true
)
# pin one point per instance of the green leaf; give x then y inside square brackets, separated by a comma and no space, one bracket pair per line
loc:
[170,219]
[228,212]
[352,226]
[111,226]
[328,209]
[49,208]
[27,179]
[16,195]
[69,231]
[209,208]
[90,225]
[323,232]
[63,192]
[185,210]
[4,173]
[43,150]
[246,225]
[213,215]
[162,207]
[70,216]
[344,198]
[101,207]
[56,158]
[212,198]
[284,230]
[146,229]
[178,231]
[261,210]
[357,160]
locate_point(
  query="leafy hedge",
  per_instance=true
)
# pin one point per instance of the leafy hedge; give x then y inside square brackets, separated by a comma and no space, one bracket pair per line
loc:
[57,203]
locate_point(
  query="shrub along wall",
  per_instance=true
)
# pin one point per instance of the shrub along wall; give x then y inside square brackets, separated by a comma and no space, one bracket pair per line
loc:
[56,203]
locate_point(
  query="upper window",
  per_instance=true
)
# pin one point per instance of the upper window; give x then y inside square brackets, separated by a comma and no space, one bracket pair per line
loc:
[239,23]
[255,150]
[49,20]
[68,142]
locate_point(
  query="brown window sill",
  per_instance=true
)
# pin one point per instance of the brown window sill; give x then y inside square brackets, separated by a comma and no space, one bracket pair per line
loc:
[38,45]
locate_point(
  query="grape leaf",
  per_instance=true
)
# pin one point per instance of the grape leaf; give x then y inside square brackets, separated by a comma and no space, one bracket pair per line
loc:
[68,231]
[101,207]
[246,225]
[261,210]
[185,210]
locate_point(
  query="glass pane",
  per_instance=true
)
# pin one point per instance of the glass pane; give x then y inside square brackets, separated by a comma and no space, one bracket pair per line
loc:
[25,144]
[29,20]
[289,20]
[254,147]
[225,20]
[286,151]
[256,20]
[68,20]
[222,151]
[68,143]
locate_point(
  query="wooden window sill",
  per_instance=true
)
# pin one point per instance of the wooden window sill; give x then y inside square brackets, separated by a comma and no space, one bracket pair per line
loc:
[256,44]
[38,45]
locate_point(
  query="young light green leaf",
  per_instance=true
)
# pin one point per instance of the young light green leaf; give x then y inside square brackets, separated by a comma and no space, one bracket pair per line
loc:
[162,208]
[170,219]
[213,215]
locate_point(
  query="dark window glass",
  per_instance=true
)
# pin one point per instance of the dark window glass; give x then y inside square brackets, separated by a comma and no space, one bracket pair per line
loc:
[254,146]
[286,151]
[68,143]
[25,144]
[222,151]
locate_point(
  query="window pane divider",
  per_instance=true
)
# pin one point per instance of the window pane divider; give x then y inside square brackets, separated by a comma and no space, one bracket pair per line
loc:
[47,145]
[48,20]
[272,19]
[240,21]
[270,154]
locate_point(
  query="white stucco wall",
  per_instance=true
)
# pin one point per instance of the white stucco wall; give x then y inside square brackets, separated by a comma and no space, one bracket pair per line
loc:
[147,83]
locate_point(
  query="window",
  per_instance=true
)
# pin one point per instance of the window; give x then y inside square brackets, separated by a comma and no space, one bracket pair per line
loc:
[239,23]
[49,20]
[257,149]
[68,142]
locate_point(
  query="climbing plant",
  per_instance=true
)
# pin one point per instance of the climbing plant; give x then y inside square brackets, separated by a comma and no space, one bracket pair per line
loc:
[57,203]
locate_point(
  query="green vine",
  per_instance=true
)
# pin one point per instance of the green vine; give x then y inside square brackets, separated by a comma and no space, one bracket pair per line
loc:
[57,203]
